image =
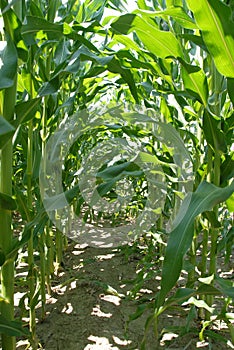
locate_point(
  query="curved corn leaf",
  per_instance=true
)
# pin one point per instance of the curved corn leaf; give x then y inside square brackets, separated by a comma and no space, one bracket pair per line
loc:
[230,87]
[213,18]
[6,131]
[176,12]
[205,198]
[114,66]
[8,63]
[36,24]
[25,111]
[162,44]
[12,328]
[61,200]
[7,202]
[214,136]
[195,81]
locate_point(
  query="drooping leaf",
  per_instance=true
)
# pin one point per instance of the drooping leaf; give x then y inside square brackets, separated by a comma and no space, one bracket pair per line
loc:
[71,34]
[213,18]
[230,87]
[230,203]
[103,189]
[21,200]
[124,24]
[6,131]
[195,39]
[162,44]
[205,198]
[176,12]
[25,111]
[180,296]
[227,168]
[62,52]
[225,286]
[195,82]
[12,328]
[36,24]
[61,200]
[49,87]
[114,66]
[115,170]
[213,134]
[8,63]
[2,257]
[199,304]
[7,202]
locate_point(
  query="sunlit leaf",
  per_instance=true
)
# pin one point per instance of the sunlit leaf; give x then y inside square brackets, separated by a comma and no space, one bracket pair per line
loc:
[213,18]
[205,198]
[176,12]
[36,24]
[195,81]
[161,43]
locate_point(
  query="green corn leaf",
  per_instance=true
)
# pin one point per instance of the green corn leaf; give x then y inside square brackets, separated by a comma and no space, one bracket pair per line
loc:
[227,168]
[61,200]
[71,34]
[214,136]
[225,286]
[195,82]
[6,131]
[124,24]
[62,52]
[114,66]
[161,43]
[50,87]
[12,328]
[7,202]
[205,198]
[8,63]
[230,87]
[36,24]
[230,203]
[102,189]
[115,170]
[2,257]
[179,297]
[212,218]
[213,18]
[195,39]
[21,200]
[176,12]
[25,111]
[19,243]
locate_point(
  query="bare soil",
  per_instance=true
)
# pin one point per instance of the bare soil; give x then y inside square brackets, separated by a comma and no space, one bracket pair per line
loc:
[90,307]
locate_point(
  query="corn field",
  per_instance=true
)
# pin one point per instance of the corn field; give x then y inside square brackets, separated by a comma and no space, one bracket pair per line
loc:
[116,131]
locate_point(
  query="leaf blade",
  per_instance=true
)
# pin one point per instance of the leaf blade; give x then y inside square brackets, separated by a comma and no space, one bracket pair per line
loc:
[180,239]
[214,20]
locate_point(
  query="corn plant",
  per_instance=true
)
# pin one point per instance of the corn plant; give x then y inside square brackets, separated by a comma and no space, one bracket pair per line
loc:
[58,58]
[190,50]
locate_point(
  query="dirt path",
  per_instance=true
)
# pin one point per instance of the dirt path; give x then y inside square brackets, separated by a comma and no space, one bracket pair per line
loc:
[90,307]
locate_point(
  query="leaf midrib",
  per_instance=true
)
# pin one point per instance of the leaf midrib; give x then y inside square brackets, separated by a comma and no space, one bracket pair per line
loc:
[220,34]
